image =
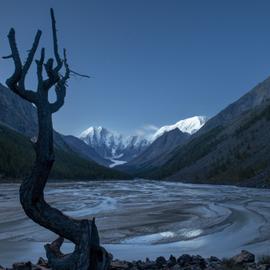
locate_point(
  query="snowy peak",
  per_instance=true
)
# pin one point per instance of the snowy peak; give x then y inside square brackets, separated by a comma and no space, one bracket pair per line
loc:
[112,145]
[100,136]
[120,149]
[188,125]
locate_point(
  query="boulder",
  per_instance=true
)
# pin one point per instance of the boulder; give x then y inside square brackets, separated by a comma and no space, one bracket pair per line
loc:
[119,265]
[172,261]
[184,260]
[198,260]
[22,266]
[42,262]
[214,259]
[244,257]
[160,261]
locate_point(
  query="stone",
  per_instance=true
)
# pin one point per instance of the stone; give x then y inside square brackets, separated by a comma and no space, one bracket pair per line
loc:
[198,260]
[160,261]
[42,262]
[149,264]
[119,265]
[251,266]
[172,261]
[22,266]
[175,267]
[214,259]
[184,260]
[244,257]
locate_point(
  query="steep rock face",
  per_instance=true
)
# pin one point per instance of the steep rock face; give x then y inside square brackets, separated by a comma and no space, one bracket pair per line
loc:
[134,145]
[17,113]
[153,155]
[189,125]
[133,149]
[112,145]
[162,142]
[84,150]
[21,116]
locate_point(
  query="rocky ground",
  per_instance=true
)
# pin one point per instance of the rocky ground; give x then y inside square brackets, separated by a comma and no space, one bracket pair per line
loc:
[244,260]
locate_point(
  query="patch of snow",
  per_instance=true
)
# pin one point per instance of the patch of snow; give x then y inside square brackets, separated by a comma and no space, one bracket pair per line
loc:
[112,145]
[116,162]
[189,125]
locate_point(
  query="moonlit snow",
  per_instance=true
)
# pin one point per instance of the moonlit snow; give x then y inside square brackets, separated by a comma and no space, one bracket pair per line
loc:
[120,149]
[188,125]
[139,219]
[116,162]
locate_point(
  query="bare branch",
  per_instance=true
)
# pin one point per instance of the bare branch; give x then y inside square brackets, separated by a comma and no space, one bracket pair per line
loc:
[7,57]
[60,88]
[29,59]
[55,43]
[53,73]
[15,77]
[12,82]
[40,63]
[80,75]
[67,73]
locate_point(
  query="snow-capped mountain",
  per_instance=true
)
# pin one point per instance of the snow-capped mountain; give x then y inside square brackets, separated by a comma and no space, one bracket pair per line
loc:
[120,149]
[188,125]
[112,145]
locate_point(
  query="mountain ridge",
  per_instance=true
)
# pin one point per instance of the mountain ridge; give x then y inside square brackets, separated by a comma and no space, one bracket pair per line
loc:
[112,145]
[188,125]
[122,149]
[232,147]
[18,118]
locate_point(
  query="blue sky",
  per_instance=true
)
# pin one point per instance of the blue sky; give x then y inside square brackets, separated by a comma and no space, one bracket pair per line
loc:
[152,62]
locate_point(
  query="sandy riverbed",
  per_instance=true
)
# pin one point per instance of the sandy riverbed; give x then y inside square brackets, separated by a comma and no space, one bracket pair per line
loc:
[139,219]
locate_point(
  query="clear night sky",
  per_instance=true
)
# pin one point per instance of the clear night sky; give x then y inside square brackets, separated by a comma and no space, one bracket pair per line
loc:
[153,62]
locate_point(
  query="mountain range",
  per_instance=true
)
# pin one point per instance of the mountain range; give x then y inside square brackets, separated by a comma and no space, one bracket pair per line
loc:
[230,148]
[113,146]
[120,149]
[18,124]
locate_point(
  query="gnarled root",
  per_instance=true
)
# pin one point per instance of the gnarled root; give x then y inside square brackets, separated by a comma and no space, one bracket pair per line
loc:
[87,255]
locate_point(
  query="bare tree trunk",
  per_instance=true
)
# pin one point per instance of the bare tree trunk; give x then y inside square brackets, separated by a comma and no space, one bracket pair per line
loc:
[88,254]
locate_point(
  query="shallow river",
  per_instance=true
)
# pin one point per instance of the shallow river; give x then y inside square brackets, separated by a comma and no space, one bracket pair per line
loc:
[139,219]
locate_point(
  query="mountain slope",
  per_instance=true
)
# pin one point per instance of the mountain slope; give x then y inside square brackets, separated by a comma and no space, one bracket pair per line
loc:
[164,140]
[81,148]
[233,147]
[17,113]
[113,146]
[153,155]
[189,125]
[17,156]
[18,119]
[256,96]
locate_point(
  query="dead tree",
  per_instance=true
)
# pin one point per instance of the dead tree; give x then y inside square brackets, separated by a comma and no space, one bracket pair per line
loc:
[88,254]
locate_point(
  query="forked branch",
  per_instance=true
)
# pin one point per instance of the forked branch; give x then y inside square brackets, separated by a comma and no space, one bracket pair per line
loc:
[16,81]
[29,59]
